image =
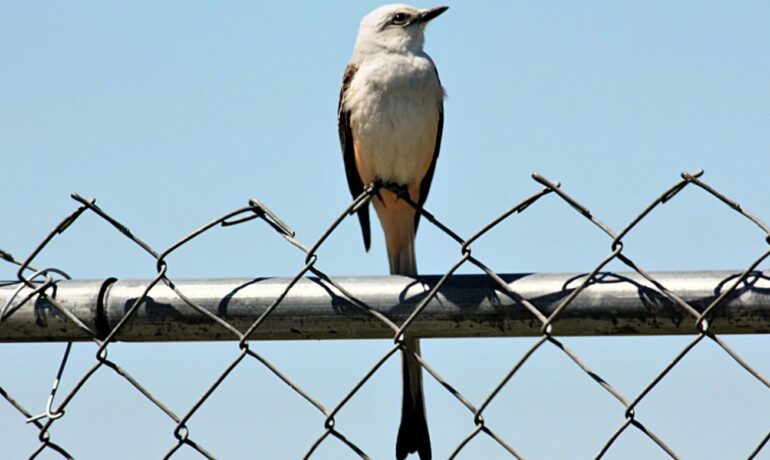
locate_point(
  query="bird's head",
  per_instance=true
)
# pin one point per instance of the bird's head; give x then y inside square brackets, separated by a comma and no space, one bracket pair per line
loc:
[395,28]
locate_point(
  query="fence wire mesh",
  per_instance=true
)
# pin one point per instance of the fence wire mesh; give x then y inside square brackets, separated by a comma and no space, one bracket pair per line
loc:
[36,283]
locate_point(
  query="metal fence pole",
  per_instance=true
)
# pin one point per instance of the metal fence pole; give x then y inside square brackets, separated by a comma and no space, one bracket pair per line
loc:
[466,306]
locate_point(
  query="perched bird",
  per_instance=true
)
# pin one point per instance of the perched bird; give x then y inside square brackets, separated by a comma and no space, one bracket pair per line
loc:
[391,115]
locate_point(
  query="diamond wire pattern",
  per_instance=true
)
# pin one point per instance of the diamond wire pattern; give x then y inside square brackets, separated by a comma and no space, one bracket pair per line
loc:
[42,283]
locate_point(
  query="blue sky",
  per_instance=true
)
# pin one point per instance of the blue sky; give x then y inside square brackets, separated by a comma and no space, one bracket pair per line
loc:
[172,114]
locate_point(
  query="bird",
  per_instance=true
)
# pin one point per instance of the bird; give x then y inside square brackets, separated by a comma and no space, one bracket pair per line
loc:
[390,120]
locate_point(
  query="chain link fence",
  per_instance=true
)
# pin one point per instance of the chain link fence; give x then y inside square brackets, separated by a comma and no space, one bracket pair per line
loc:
[36,286]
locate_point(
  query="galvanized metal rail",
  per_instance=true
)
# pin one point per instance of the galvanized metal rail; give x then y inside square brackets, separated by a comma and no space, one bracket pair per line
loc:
[466,306]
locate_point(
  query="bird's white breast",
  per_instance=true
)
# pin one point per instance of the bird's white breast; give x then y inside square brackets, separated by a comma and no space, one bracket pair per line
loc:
[394,102]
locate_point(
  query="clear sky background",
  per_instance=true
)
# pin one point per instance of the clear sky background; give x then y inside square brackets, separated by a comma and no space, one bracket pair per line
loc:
[171,114]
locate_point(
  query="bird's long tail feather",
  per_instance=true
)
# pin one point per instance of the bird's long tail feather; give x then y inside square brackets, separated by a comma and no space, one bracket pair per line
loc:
[398,224]
[413,433]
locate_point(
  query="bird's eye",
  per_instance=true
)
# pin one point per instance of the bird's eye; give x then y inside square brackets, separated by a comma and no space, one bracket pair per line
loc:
[399,19]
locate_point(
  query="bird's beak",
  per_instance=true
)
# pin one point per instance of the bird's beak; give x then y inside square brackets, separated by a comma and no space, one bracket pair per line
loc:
[427,15]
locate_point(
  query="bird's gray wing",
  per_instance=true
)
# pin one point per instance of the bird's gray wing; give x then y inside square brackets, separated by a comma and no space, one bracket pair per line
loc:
[425,184]
[355,184]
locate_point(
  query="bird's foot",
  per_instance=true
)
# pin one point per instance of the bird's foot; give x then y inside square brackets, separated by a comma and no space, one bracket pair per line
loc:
[400,190]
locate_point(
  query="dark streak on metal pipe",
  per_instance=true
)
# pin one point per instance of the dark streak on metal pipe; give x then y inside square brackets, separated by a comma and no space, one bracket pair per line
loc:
[467,306]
